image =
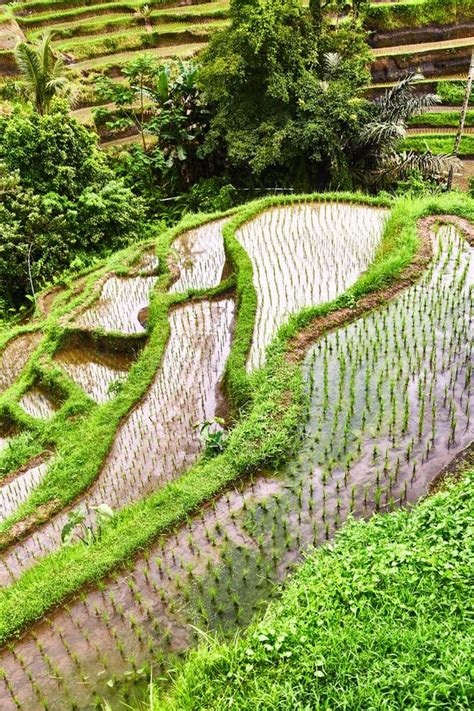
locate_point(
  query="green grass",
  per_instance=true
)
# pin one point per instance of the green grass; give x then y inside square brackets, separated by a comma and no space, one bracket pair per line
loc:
[271,404]
[452,92]
[382,618]
[445,118]
[438,144]
[416,13]
[100,45]
[107,24]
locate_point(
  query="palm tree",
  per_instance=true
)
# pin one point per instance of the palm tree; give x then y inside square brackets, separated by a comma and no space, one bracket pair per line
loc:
[144,13]
[42,71]
[381,160]
[462,119]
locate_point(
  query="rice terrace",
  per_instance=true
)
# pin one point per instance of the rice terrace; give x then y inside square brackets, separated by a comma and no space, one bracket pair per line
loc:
[236,355]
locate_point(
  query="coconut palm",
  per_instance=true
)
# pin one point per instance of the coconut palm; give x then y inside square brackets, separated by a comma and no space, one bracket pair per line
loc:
[381,162]
[42,71]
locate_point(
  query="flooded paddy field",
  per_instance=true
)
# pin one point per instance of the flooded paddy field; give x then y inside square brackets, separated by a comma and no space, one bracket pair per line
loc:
[199,257]
[38,403]
[97,367]
[16,489]
[304,255]
[389,406]
[15,356]
[119,304]
[157,441]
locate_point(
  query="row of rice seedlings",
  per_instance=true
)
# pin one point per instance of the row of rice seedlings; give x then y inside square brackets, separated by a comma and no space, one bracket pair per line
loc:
[15,356]
[118,306]
[200,257]
[100,375]
[111,632]
[16,491]
[158,440]
[305,255]
[37,403]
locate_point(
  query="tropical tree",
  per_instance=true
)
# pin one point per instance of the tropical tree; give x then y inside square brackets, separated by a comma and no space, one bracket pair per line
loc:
[42,71]
[462,119]
[143,13]
[380,161]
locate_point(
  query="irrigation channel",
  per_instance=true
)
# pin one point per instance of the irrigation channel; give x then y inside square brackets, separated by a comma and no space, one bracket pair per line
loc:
[389,405]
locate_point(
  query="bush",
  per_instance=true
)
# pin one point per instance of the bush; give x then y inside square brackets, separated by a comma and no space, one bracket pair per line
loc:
[212,195]
[60,201]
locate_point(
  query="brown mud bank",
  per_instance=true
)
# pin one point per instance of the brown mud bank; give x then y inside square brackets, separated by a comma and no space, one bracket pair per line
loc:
[418,35]
[432,64]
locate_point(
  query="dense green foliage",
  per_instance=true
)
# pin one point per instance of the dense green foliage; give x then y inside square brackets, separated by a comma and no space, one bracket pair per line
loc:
[282,103]
[60,201]
[376,620]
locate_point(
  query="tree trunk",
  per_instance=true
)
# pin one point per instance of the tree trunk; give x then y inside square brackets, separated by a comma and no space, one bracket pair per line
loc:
[465,106]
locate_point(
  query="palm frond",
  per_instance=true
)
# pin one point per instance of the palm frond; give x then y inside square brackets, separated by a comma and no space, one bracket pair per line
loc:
[398,166]
[392,105]
[28,63]
[383,133]
[331,62]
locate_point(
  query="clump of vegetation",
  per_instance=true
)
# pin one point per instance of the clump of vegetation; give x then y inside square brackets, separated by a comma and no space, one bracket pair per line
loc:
[60,201]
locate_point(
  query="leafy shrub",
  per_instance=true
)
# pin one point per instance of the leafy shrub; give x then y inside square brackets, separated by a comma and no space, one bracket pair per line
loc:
[212,195]
[60,200]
